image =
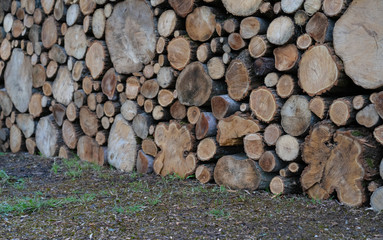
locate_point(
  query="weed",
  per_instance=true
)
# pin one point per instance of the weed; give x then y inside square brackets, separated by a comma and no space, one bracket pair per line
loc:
[87,197]
[18,184]
[200,188]
[55,167]
[135,208]
[219,213]
[73,167]
[357,133]
[3,153]
[370,162]
[119,209]
[220,189]
[138,186]
[154,201]
[4,178]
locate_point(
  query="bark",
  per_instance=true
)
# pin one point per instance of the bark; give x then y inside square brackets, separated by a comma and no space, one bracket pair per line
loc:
[122,145]
[175,143]
[130,36]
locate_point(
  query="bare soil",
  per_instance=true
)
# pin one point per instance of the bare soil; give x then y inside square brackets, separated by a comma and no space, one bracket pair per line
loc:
[48,198]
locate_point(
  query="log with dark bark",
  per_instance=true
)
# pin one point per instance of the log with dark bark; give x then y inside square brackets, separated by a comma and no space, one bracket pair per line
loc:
[175,143]
[144,163]
[130,36]
[223,106]
[206,126]
[270,162]
[293,169]
[280,185]
[320,28]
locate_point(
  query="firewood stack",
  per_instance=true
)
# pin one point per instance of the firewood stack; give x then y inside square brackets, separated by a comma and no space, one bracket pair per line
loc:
[280,95]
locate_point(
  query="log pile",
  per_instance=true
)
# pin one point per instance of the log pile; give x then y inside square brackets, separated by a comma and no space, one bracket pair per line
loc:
[280,95]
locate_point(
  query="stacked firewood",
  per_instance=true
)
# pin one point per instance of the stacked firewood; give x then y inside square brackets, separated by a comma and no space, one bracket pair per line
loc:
[251,94]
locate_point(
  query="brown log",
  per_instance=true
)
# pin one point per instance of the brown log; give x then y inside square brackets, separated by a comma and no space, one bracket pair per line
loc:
[193,114]
[304,41]
[87,6]
[102,137]
[178,110]
[272,133]
[205,173]
[96,58]
[286,86]
[98,23]
[235,41]
[194,86]
[88,121]
[149,105]
[216,68]
[38,76]
[144,163]
[281,30]
[200,24]
[132,88]
[166,78]
[175,143]
[312,6]
[296,116]
[122,145]
[160,113]
[377,200]
[58,111]
[48,136]
[35,107]
[130,47]
[239,76]
[320,28]
[238,172]
[59,10]
[223,106]
[49,34]
[6,50]
[334,8]
[242,7]
[206,125]
[204,52]
[373,186]
[71,133]
[150,89]
[264,104]
[253,146]
[231,130]
[337,168]
[16,139]
[72,112]
[291,6]
[30,144]
[165,97]
[377,100]
[161,45]
[270,162]
[286,57]
[149,147]
[141,124]
[315,81]
[293,169]
[300,18]
[252,26]
[359,102]
[88,150]
[259,46]
[368,117]
[6,103]
[182,7]
[63,87]
[280,185]
[208,149]
[287,148]
[341,112]
[111,108]
[19,83]
[109,82]
[180,51]
[52,69]
[319,106]
[348,35]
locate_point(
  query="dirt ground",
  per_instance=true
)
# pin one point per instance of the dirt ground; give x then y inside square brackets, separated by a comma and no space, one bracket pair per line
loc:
[46,198]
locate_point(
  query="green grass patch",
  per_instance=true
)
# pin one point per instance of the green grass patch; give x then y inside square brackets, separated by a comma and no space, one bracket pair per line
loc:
[219,213]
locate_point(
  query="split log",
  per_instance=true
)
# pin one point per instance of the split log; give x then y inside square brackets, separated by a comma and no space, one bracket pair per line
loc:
[242,7]
[194,86]
[286,57]
[88,150]
[71,133]
[122,145]
[96,58]
[149,147]
[272,133]
[180,51]
[223,106]
[293,169]
[265,104]
[63,86]
[144,163]
[206,125]
[320,28]
[178,110]
[337,167]
[259,46]
[270,162]
[341,112]
[368,117]
[287,148]
[296,116]
[216,68]
[323,76]
[252,26]
[319,106]
[88,121]
[238,172]
[175,143]
[182,7]
[49,34]
[200,24]
[141,123]
[18,80]
[231,130]
[167,23]
[253,146]
[16,139]
[48,137]
[205,173]
[281,30]
[280,185]
[239,76]
[130,36]
[376,201]
[356,45]
[75,43]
